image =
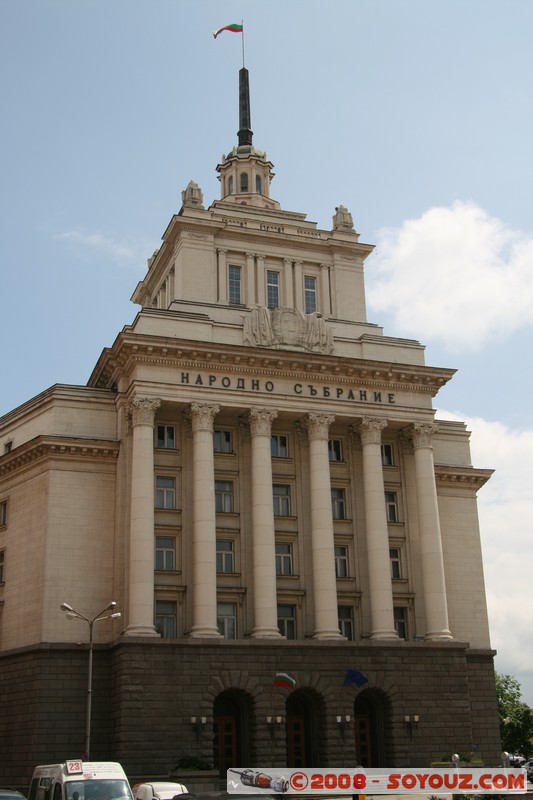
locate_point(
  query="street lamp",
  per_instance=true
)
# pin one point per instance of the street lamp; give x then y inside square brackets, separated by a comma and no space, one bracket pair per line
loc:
[107,613]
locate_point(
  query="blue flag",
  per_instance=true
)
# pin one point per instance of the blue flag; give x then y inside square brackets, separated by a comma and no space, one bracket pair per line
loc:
[352,677]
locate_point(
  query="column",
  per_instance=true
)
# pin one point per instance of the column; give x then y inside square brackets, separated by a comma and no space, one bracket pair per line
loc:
[377,533]
[204,540]
[322,539]
[288,294]
[261,281]
[430,536]
[325,289]
[142,545]
[299,301]
[249,296]
[263,534]
[222,275]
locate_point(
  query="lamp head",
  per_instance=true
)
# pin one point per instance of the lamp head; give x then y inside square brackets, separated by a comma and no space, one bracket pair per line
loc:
[66,607]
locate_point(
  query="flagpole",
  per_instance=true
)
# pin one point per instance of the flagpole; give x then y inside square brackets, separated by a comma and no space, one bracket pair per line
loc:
[242,23]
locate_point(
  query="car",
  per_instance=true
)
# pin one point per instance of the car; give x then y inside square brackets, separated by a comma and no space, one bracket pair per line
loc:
[159,790]
[11,794]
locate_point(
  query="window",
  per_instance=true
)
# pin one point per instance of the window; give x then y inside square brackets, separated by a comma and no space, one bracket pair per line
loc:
[282,500]
[165,492]
[258,184]
[3,513]
[230,184]
[391,504]
[341,561]
[338,505]
[165,553]
[234,275]
[222,441]
[166,436]
[244,181]
[283,558]
[400,621]
[225,559]
[279,446]
[8,446]
[335,449]
[395,563]
[310,294]
[2,564]
[346,621]
[227,620]
[287,621]
[387,455]
[272,289]
[165,618]
[224,497]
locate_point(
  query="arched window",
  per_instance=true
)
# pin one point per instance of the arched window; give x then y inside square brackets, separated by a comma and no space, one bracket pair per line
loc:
[244,181]
[230,184]
[258,184]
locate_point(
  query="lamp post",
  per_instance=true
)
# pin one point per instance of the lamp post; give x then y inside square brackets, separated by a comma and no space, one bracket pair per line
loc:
[107,613]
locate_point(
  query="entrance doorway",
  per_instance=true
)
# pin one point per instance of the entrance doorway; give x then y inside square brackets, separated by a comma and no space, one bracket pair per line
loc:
[230,731]
[303,715]
[370,714]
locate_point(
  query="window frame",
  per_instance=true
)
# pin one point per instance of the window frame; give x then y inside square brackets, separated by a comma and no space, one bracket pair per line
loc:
[338,503]
[164,551]
[225,438]
[2,566]
[225,556]
[284,560]
[272,289]
[395,560]
[277,446]
[401,620]
[288,623]
[391,506]
[347,622]
[333,446]
[3,513]
[234,284]
[387,461]
[310,294]
[165,617]
[341,558]
[161,442]
[225,618]
[281,500]
[168,491]
[224,497]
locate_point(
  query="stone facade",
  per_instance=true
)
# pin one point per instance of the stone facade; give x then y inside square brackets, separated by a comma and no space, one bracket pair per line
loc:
[255,474]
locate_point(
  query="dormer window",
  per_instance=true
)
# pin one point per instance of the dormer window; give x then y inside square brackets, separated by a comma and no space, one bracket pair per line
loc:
[258,184]
[244,181]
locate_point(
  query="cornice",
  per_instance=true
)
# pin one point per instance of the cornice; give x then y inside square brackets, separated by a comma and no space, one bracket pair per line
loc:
[130,349]
[63,447]
[461,477]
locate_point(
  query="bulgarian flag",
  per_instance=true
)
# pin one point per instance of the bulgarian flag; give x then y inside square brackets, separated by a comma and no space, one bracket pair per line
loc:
[234,28]
[284,679]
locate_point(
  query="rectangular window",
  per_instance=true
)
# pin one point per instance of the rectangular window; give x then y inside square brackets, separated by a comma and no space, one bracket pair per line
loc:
[2,565]
[387,455]
[166,619]
[234,276]
[279,446]
[3,513]
[287,621]
[8,446]
[227,620]
[400,621]
[341,561]
[346,626]
[391,504]
[222,441]
[310,294]
[224,497]
[283,558]
[165,492]
[335,449]
[395,563]
[282,500]
[165,553]
[225,559]
[166,437]
[338,504]
[272,289]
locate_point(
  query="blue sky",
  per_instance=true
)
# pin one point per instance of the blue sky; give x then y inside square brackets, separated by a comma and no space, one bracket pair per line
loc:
[416,115]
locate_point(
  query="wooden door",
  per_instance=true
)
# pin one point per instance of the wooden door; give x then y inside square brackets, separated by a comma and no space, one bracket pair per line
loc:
[363,745]
[296,742]
[225,744]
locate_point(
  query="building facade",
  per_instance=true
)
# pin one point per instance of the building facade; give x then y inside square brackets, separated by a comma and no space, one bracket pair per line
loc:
[255,474]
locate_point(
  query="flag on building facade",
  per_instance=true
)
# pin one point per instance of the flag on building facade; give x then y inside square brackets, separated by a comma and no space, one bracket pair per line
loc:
[283,679]
[353,676]
[234,28]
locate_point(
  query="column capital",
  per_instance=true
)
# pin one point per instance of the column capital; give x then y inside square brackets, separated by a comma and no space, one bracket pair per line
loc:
[370,428]
[260,420]
[142,410]
[202,416]
[318,425]
[422,433]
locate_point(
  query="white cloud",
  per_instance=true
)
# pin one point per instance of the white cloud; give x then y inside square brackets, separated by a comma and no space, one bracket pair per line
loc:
[506,519]
[456,273]
[124,253]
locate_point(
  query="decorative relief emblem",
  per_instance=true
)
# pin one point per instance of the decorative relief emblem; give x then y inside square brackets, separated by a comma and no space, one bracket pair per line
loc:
[287,326]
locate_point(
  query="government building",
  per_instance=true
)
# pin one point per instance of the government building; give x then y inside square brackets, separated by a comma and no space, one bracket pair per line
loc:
[255,475]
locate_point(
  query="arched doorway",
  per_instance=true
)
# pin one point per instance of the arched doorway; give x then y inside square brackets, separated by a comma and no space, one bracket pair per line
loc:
[303,717]
[370,717]
[231,730]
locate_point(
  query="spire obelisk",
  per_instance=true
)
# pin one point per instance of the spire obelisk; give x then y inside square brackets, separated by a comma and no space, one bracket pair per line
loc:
[245,133]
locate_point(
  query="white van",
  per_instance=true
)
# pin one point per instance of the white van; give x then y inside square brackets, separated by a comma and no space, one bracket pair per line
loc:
[159,790]
[80,780]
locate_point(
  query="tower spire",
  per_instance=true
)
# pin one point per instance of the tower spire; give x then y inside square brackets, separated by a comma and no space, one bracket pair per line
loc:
[245,133]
